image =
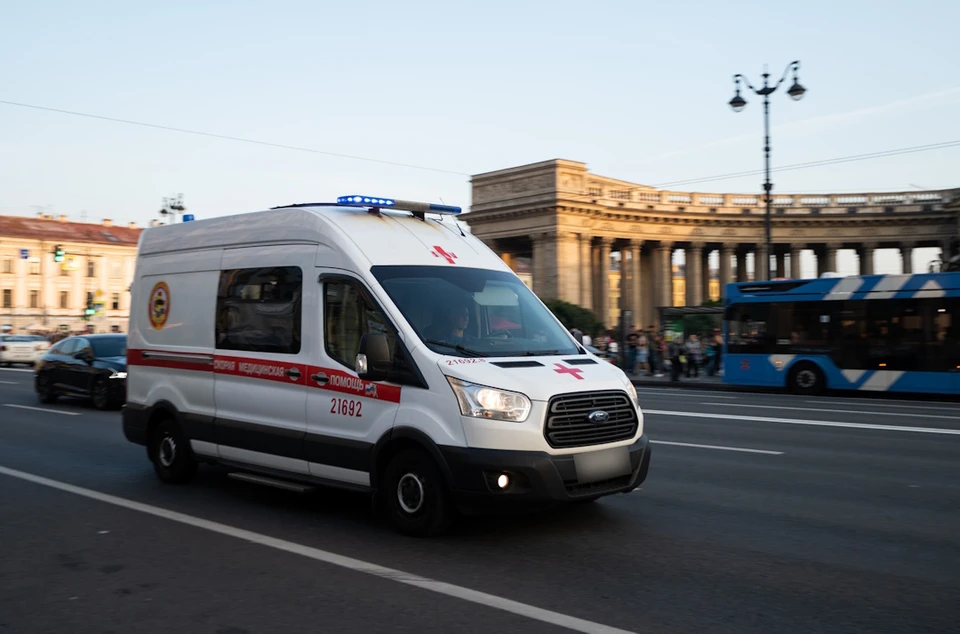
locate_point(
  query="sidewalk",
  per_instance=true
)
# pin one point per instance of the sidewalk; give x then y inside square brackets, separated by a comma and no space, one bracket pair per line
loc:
[704,382]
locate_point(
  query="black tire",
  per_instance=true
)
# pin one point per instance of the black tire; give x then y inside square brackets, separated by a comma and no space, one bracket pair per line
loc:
[413,495]
[100,394]
[45,392]
[170,454]
[807,379]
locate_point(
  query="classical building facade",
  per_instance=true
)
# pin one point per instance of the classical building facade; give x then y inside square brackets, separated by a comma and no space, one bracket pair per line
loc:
[38,293]
[570,222]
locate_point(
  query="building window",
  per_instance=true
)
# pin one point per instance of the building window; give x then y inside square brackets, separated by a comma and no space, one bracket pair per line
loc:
[34,299]
[7,265]
[64,299]
[7,298]
[116,269]
[34,268]
[91,268]
[348,315]
[258,310]
[115,301]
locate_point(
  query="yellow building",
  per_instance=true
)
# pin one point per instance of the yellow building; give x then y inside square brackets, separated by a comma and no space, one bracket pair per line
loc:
[679,291]
[40,294]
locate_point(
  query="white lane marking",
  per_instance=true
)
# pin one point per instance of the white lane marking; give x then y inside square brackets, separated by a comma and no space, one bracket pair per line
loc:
[43,409]
[724,448]
[884,404]
[835,411]
[9,383]
[16,369]
[798,421]
[440,587]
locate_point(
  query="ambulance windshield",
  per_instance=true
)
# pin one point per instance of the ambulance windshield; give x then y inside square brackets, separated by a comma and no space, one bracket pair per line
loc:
[474,312]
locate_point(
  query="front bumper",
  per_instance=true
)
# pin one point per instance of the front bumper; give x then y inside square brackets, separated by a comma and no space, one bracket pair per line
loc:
[535,477]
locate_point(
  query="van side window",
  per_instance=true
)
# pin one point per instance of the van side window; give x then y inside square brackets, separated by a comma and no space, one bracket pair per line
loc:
[347,316]
[258,310]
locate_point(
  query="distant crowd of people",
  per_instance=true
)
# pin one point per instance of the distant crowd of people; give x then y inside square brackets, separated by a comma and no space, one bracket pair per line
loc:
[653,353]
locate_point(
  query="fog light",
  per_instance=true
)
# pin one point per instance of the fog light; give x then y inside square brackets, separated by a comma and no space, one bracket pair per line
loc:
[503,481]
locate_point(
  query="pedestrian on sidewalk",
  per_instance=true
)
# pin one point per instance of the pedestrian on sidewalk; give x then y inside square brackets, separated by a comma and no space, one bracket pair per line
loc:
[676,352]
[643,354]
[694,352]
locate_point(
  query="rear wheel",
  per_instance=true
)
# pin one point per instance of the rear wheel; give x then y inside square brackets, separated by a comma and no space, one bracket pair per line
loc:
[45,391]
[170,453]
[806,378]
[413,496]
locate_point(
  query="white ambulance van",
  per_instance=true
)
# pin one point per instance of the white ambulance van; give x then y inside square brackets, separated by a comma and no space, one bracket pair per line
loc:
[373,345]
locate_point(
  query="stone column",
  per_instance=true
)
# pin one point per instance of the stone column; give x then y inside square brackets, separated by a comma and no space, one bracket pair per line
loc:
[595,259]
[538,256]
[830,257]
[726,274]
[795,250]
[865,252]
[694,274]
[761,263]
[705,268]
[906,257]
[568,266]
[636,289]
[741,264]
[604,313]
[665,274]
[781,264]
[586,272]
[648,284]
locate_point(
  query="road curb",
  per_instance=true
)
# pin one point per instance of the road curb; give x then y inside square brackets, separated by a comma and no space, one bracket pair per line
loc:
[691,385]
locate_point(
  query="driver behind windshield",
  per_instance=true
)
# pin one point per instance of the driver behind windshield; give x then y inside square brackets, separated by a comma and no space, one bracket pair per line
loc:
[453,322]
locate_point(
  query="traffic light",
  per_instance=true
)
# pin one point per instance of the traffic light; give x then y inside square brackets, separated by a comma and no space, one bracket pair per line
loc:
[58,254]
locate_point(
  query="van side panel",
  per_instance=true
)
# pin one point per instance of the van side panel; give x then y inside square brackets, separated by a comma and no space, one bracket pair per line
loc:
[171,357]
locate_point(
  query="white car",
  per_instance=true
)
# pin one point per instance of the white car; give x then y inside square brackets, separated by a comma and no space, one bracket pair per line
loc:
[20,349]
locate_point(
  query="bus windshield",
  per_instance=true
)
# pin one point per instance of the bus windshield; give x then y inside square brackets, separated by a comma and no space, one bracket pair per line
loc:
[474,312]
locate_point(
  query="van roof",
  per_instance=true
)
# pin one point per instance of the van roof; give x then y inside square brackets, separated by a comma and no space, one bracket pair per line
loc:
[384,238]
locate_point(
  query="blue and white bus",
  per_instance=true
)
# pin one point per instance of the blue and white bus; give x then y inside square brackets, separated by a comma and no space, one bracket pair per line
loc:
[877,333]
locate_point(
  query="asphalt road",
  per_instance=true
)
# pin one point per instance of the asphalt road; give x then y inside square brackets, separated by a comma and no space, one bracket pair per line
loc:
[768,513]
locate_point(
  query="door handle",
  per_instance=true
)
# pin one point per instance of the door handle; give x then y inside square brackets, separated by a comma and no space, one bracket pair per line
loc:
[320,378]
[293,373]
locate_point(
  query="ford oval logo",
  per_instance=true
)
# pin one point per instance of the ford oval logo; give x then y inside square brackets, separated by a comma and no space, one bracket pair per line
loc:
[598,417]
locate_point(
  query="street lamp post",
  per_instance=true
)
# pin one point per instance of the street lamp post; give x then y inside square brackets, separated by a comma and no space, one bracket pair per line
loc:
[738,103]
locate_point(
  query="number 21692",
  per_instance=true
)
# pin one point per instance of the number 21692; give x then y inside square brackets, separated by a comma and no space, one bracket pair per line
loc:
[345,407]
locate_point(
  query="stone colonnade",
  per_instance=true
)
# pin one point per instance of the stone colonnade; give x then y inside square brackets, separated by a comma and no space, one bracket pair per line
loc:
[577,267]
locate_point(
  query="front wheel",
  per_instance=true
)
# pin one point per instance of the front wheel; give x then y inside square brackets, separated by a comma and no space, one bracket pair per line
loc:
[170,454]
[101,394]
[45,391]
[807,379]
[413,495]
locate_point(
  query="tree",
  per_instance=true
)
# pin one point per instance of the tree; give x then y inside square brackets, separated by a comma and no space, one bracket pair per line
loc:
[573,316]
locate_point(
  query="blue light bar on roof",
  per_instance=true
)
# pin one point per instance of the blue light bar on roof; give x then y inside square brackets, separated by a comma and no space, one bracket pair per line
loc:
[405,205]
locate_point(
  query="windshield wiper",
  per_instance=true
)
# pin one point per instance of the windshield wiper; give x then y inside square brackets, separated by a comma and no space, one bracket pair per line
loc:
[457,347]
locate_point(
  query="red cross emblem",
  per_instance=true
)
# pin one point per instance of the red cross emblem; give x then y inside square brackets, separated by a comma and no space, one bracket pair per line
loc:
[439,252]
[562,369]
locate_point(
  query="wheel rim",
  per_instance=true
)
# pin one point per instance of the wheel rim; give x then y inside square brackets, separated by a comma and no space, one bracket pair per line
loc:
[806,379]
[167,452]
[410,493]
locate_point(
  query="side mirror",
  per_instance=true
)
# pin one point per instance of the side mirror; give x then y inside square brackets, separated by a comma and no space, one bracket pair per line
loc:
[374,361]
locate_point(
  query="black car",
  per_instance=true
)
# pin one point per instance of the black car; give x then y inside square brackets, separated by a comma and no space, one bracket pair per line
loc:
[88,366]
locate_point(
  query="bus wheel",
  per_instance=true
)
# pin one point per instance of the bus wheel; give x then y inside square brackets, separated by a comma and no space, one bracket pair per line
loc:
[806,378]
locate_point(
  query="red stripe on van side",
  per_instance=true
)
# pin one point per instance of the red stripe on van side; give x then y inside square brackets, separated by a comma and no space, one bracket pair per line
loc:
[346,383]
[338,380]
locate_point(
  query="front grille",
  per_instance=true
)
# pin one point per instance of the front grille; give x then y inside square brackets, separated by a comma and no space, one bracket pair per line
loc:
[568,424]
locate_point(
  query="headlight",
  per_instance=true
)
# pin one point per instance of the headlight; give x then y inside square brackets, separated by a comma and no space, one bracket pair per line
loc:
[632,391]
[478,401]
[118,375]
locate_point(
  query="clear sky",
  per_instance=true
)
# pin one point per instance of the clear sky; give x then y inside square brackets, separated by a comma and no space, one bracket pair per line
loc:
[638,90]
